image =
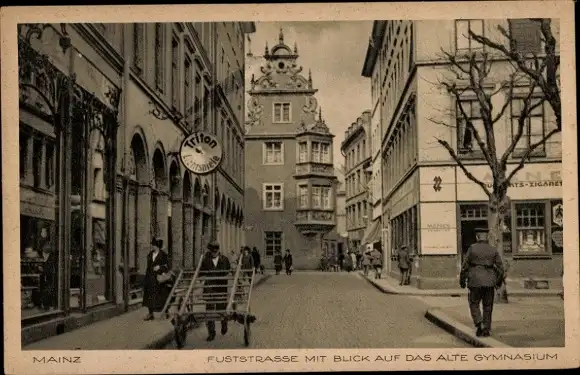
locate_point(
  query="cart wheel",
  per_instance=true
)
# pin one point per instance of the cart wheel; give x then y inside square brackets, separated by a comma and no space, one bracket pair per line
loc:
[180,334]
[247,332]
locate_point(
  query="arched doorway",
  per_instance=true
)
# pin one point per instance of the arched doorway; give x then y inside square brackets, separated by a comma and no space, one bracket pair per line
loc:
[137,238]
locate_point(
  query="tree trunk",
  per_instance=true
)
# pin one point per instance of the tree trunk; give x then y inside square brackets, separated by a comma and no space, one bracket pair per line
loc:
[497,209]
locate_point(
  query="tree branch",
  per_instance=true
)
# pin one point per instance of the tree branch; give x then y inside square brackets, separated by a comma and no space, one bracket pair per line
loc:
[526,156]
[468,174]
[523,116]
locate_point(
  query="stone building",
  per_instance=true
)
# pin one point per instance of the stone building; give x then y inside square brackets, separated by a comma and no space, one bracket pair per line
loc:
[290,182]
[100,171]
[428,202]
[356,149]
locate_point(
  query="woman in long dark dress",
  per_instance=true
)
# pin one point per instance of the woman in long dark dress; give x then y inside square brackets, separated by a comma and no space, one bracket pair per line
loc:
[288,262]
[155,293]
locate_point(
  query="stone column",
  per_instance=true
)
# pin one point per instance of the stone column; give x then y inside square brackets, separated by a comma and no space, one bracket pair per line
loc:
[143,222]
[177,225]
[188,239]
[162,215]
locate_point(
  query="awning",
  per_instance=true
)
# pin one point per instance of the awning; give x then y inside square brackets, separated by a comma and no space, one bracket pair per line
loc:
[372,234]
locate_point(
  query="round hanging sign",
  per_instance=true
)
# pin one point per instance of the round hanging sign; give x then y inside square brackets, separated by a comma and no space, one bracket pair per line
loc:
[201,152]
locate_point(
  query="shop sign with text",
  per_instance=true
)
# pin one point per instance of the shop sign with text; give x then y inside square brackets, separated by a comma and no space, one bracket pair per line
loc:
[201,153]
[438,229]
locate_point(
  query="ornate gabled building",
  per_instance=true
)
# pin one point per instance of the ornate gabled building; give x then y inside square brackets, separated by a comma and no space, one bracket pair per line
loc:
[290,182]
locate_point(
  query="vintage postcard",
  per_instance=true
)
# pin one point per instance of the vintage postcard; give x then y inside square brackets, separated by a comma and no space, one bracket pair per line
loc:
[290,187]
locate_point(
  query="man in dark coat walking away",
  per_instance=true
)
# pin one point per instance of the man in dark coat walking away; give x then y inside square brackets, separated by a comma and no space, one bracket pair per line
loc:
[481,271]
[288,262]
[155,293]
[278,262]
[256,257]
[214,261]
[404,264]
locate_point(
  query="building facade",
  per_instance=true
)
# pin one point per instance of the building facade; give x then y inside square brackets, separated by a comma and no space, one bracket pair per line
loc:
[100,129]
[290,182]
[356,148]
[342,234]
[430,204]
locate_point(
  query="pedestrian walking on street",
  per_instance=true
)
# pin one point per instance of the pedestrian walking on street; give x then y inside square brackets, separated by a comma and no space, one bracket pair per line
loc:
[288,262]
[366,262]
[247,262]
[341,261]
[353,260]
[482,271]
[278,262]
[256,258]
[358,260]
[156,287]
[377,262]
[404,265]
[214,261]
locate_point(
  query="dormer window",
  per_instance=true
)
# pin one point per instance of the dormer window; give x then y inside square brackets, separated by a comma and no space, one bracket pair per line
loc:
[282,113]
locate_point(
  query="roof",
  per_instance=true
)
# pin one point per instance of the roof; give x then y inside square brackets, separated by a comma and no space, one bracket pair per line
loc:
[375,42]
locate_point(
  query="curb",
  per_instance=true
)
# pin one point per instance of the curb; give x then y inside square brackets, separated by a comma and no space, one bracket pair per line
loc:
[461,331]
[164,340]
[460,293]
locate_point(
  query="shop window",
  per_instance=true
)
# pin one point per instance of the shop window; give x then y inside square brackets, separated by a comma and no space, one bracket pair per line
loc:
[530,228]
[273,243]
[557,226]
[38,266]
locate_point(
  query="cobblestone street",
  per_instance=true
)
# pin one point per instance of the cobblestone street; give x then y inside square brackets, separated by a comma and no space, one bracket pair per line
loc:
[329,310]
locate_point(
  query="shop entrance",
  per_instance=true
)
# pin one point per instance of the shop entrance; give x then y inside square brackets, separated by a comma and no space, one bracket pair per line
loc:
[473,216]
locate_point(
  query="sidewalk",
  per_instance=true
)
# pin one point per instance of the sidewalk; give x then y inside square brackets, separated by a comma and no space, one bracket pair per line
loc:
[389,285]
[532,318]
[124,332]
[524,322]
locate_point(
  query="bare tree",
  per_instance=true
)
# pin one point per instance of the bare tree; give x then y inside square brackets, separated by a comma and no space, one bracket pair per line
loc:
[535,78]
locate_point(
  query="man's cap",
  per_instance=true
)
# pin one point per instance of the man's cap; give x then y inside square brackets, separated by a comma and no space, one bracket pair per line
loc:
[481,230]
[156,241]
[213,245]
[403,246]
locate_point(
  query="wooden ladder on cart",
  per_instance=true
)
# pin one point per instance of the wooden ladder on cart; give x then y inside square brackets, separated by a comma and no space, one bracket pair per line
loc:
[192,292]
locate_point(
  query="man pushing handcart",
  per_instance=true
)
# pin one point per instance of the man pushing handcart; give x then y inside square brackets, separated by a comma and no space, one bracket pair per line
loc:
[214,291]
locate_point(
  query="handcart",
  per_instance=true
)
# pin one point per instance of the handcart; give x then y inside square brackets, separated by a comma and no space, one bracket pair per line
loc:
[193,292]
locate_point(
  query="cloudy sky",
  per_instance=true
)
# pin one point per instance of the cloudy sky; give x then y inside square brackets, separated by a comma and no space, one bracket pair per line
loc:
[335,53]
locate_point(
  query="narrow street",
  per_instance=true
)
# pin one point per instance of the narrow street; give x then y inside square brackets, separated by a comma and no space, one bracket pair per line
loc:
[329,310]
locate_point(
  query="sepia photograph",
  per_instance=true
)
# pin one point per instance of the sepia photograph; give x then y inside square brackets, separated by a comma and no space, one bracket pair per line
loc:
[287,193]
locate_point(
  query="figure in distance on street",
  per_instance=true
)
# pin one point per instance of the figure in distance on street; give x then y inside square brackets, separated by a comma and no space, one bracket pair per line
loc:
[288,262]
[404,264]
[481,271]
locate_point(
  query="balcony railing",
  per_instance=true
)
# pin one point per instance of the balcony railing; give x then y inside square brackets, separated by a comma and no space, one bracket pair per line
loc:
[317,216]
[314,168]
